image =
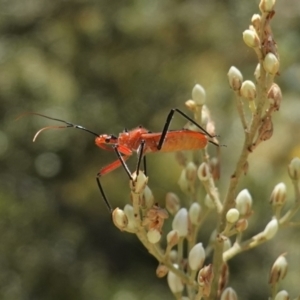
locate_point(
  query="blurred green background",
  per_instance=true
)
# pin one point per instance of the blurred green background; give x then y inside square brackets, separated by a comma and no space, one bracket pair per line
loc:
[108,65]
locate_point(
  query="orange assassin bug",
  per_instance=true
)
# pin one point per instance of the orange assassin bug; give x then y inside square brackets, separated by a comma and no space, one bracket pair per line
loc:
[142,141]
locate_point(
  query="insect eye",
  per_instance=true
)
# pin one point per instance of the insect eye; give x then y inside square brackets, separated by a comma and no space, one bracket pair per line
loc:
[107,140]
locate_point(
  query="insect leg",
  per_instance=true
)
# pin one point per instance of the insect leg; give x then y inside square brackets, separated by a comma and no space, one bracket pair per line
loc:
[168,122]
[140,157]
[103,195]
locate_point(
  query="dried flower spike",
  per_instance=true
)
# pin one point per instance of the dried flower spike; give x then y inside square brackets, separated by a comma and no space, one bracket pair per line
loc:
[204,279]
[275,96]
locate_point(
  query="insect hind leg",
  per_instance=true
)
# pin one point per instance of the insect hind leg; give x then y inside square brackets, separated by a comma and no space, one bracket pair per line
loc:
[168,122]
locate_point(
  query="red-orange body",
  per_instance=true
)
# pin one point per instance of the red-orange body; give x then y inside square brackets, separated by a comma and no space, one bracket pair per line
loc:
[129,142]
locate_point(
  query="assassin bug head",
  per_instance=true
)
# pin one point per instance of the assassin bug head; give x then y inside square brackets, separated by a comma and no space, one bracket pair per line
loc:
[68,124]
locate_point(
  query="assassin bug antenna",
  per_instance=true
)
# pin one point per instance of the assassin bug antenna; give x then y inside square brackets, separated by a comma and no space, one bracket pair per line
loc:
[68,124]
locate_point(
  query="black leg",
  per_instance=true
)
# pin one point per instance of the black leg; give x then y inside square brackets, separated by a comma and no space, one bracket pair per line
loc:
[103,195]
[141,152]
[168,122]
[123,162]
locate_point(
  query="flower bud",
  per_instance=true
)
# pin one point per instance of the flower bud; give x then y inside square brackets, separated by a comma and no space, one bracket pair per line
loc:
[226,245]
[275,96]
[257,72]
[241,225]
[229,294]
[235,78]
[191,105]
[203,172]
[138,182]
[191,171]
[271,229]
[173,256]
[172,238]
[243,202]
[172,203]
[265,131]
[278,196]
[232,215]
[182,181]
[251,39]
[148,199]
[198,94]
[279,270]
[204,279]
[128,210]
[174,282]
[271,64]
[294,168]
[153,236]
[180,222]
[161,271]
[196,257]
[248,90]
[266,6]
[256,20]
[208,202]
[119,218]
[194,213]
[282,295]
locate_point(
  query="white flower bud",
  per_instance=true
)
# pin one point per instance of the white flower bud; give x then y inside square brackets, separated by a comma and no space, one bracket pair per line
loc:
[172,203]
[248,90]
[256,20]
[198,94]
[232,215]
[226,244]
[172,238]
[271,64]
[294,168]
[243,202]
[229,294]
[271,229]
[148,198]
[153,236]
[138,183]
[174,282]
[278,196]
[208,202]
[194,213]
[282,295]
[161,270]
[203,172]
[128,210]
[257,72]
[251,39]
[182,181]
[266,6]
[180,222]
[119,218]
[275,96]
[235,78]
[191,171]
[279,270]
[196,257]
